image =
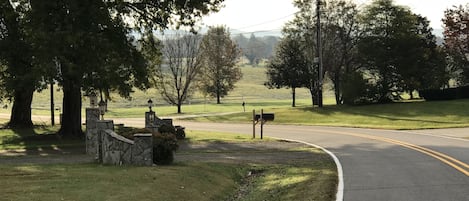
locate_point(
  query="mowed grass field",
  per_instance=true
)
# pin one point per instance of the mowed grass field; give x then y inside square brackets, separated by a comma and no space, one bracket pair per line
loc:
[417,115]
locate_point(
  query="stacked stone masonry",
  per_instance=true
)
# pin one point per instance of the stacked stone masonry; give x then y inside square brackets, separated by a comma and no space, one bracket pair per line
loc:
[111,148]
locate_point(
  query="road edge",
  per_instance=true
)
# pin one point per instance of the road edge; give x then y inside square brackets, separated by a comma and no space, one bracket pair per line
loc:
[340,172]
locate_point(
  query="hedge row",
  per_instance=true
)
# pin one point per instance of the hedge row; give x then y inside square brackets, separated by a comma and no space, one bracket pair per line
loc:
[445,94]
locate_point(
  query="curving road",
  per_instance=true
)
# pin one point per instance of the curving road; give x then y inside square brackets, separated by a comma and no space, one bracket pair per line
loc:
[380,165]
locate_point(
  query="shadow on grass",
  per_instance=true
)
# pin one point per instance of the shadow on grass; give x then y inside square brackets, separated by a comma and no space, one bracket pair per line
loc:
[38,140]
[424,112]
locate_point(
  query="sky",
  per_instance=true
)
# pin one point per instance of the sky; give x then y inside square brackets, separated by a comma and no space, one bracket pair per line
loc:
[271,15]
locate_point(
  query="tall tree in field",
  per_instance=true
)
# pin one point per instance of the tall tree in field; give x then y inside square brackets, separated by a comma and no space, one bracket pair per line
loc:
[254,50]
[340,38]
[339,33]
[426,67]
[456,35]
[180,67]
[289,68]
[90,40]
[220,55]
[20,79]
[396,48]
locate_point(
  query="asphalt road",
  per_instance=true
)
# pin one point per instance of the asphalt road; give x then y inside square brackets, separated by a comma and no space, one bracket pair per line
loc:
[381,165]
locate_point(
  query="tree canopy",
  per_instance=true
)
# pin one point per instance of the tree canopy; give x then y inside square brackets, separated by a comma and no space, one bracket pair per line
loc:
[456,35]
[220,55]
[88,45]
[289,68]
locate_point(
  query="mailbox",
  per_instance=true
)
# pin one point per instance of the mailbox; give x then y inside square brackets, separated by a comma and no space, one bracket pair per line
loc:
[265,116]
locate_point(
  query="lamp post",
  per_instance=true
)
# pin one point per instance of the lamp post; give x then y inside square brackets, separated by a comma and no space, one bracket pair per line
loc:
[93,99]
[102,108]
[150,104]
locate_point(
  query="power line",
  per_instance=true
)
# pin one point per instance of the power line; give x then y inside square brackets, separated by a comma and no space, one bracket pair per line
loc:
[267,22]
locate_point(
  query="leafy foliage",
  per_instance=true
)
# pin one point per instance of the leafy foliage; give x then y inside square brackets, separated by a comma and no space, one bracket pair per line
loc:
[289,68]
[445,94]
[357,90]
[220,55]
[339,35]
[18,75]
[397,48]
[164,146]
[456,34]
[89,45]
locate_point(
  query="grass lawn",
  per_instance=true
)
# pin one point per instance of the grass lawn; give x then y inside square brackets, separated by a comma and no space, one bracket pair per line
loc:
[414,115]
[202,181]
[195,181]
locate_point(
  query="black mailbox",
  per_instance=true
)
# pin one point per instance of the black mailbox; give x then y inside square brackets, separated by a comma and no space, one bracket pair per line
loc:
[265,116]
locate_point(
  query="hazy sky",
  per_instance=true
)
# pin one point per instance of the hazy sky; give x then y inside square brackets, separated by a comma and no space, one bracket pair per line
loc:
[266,15]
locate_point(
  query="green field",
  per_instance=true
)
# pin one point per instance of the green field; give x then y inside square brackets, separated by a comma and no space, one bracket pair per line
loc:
[410,115]
[415,115]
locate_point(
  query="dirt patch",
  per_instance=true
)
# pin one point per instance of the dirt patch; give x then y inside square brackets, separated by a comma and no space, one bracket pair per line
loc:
[268,152]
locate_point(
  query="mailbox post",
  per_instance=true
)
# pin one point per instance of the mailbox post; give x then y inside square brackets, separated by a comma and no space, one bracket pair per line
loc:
[262,124]
[263,118]
[253,124]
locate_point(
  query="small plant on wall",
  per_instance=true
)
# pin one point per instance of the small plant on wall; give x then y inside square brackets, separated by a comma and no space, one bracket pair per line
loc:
[165,142]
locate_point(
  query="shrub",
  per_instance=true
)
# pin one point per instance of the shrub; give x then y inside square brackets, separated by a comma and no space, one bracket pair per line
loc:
[445,94]
[358,90]
[164,146]
[165,142]
[166,128]
[180,133]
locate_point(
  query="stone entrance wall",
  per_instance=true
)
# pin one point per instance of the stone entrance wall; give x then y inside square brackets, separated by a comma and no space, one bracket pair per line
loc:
[111,148]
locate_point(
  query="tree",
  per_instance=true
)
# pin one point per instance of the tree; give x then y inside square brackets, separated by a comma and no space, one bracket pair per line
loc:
[220,55]
[341,32]
[426,68]
[396,48]
[270,44]
[180,68]
[456,36]
[254,50]
[338,37]
[20,78]
[289,67]
[92,40]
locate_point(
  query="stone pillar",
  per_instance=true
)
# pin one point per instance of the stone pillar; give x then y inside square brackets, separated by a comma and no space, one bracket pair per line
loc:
[142,150]
[150,119]
[92,116]
[101,125]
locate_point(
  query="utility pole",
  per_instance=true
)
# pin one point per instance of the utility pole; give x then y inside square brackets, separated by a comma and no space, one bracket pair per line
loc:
[319,52]
[52,116]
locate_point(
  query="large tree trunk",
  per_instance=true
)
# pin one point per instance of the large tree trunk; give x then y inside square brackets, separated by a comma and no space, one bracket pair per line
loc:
[21,110]
[71,117]
[218,96]
[314,98]
[293,93]
[337,90]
